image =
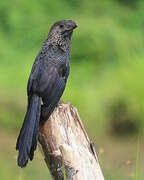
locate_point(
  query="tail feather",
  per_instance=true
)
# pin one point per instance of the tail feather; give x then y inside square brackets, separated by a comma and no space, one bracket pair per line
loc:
[35,134]
[27,140]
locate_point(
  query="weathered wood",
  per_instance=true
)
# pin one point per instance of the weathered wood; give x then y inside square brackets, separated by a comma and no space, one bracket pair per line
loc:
[66,146]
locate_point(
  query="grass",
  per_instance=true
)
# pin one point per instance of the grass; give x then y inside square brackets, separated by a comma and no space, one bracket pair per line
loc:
[117,160]
[137,162]
[9,168]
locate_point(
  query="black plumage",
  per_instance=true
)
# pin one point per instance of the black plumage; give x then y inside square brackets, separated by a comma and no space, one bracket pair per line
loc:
[46,84]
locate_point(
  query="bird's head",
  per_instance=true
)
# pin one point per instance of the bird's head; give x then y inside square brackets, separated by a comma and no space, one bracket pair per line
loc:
[63,28]
[61,32]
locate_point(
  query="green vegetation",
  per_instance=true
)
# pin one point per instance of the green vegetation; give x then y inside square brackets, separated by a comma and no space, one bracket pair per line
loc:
[107,68]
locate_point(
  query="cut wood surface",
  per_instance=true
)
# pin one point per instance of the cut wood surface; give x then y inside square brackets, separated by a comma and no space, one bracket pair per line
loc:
[67,149]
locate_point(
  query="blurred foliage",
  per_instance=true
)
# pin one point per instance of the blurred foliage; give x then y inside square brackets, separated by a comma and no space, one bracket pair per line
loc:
[123,120]
[107,54]
[107,58]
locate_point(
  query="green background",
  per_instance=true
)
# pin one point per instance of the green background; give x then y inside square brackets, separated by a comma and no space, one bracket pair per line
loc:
[105,82]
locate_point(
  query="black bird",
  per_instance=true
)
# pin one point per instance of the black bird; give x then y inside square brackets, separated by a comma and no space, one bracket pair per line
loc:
[46,84]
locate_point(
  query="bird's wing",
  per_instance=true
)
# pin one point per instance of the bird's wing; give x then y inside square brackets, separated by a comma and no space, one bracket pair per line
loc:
[47,80]
[51,80]
[33,76]
[52,99]
[50,84]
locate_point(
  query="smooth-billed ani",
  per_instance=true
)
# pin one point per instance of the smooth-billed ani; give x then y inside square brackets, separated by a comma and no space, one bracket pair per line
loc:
[46,84]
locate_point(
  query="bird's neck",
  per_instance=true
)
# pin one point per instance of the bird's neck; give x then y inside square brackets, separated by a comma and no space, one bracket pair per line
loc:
[58,42]
[57,52]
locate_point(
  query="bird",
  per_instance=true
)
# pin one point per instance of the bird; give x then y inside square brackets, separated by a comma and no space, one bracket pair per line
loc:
[45,86]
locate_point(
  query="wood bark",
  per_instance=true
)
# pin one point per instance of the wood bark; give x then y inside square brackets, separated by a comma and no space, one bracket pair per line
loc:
[67,150]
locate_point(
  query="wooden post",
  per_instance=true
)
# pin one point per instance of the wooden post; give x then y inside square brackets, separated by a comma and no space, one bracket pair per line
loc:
[68,152]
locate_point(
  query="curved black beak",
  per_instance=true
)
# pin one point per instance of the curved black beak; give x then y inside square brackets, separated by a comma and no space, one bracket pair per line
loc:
[75,26]
[71,25]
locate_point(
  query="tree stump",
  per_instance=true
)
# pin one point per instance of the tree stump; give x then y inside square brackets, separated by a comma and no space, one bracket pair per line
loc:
[68,152]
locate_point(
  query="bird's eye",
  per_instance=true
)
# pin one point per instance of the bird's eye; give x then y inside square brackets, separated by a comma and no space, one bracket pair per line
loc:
[61,26]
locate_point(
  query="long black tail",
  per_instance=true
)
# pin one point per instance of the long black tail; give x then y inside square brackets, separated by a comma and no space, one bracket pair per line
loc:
[27,140]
